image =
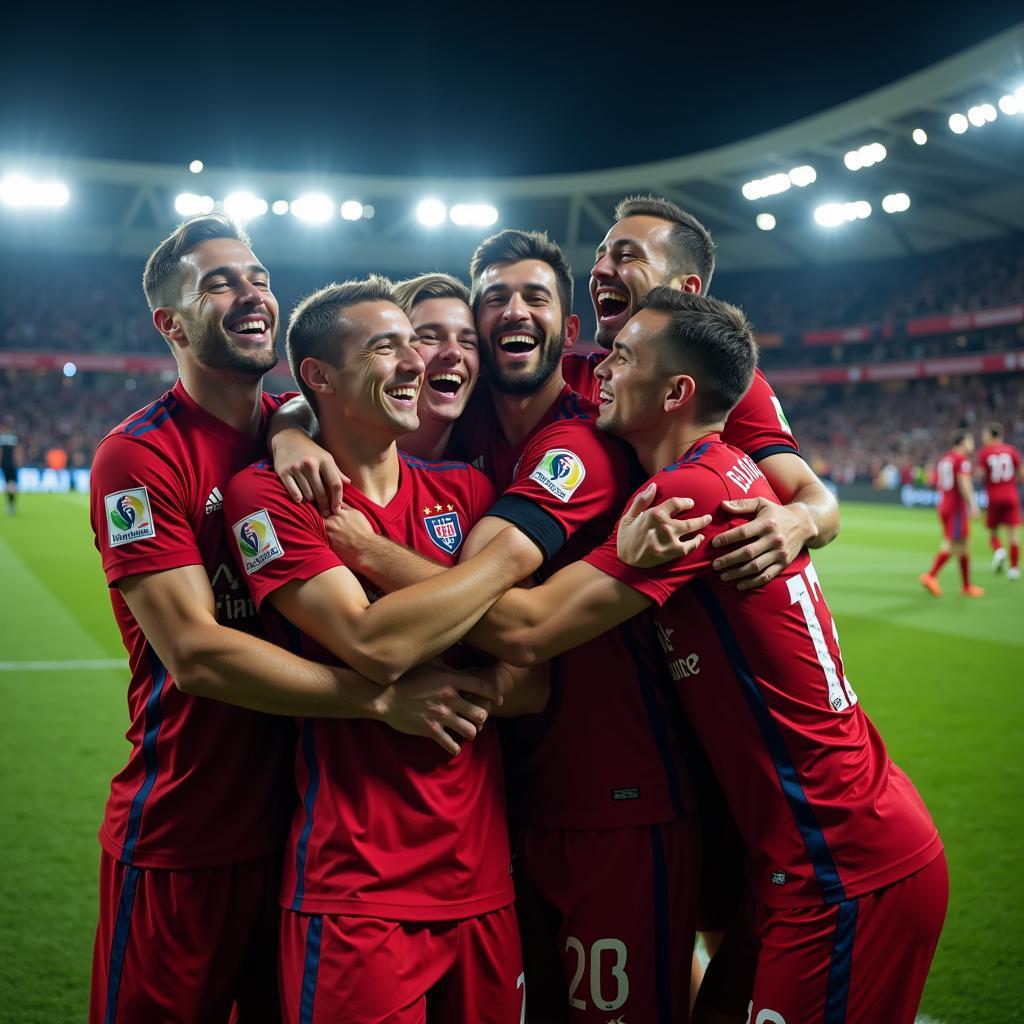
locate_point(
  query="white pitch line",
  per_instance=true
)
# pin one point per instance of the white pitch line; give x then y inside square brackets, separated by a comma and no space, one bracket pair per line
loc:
[62,666]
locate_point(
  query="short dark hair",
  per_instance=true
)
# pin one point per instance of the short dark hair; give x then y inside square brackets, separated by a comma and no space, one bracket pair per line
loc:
[960,435]
[709,339]
[691,248]
[316,326]
[514,246]
[995,429]
[161,280]
[429,286]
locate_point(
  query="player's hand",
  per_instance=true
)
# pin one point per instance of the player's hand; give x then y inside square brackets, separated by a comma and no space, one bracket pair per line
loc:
[435,703]
[347,530]
[975,512]
[652,536]
[308,472]
[769,542]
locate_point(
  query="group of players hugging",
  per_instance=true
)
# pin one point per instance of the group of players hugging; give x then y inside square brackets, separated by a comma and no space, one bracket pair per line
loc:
[326,604]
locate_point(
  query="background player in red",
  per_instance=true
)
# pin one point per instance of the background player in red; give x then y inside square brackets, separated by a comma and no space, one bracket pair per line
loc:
[397,883]
[957,506]
[1001,465]
[195,822]
[845,863]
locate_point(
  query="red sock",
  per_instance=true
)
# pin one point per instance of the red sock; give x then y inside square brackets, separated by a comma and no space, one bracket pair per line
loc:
[1014,556]
[965,570]
[940,560]
[996,543]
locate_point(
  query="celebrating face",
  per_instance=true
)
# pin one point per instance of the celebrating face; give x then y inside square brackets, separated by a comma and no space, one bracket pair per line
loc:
[448,346]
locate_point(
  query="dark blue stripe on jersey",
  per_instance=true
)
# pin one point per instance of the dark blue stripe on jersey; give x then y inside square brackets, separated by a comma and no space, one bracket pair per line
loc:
[161,411]
[431,467]
[662,970]
[774,449]
[537,523]
[838,991]
[814,839]
[693,455]
[263,464]
[314,934]
[156,407]
[570,408]
[958,526]
[151,731]
[308,803]
[640,640]
[119,944]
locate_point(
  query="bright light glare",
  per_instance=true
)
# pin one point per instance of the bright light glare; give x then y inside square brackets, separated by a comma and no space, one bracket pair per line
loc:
[958,124]
[18,191]
[196,166]
[897,202]
[243,206]
[477,215]
[1008,105]
[831,215]
[1018,95]
[352,209]
[188,204]
[770,186]
[976,116]
[852,160]
[69,369]
[765,221]
[279,206]
[866,156]
[988,112]
[920,136]
[803,175]
[368,211]
[431,212]
[313,207]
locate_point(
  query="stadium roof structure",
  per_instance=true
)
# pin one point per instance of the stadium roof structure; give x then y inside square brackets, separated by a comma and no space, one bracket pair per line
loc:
[962,187]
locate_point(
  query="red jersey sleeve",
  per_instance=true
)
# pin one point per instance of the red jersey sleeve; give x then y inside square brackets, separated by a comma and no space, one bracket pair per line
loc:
[273,539]
[578,373]
[569,475]
[481,495]
[659,583]
[964,466]
[758,426]
[139,502]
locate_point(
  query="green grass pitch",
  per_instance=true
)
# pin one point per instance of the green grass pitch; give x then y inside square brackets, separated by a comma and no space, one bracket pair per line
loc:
[941,678]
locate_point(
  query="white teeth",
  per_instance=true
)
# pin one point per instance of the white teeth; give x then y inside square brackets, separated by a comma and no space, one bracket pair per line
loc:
[402,393]
[453,377]
[611,293]
[521,339]
[250,325]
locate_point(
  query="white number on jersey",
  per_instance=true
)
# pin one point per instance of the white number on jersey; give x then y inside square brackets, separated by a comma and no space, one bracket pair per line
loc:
[618,973]
[945,473]
[521,983]
[1000,468]
[805,590]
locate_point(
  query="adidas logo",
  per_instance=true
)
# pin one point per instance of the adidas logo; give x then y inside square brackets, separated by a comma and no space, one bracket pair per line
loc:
[215,502]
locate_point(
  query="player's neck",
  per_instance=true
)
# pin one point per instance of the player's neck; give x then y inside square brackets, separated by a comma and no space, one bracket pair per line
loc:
[429,441]
[232,398]
[519,414]
[370,462]
[658,450]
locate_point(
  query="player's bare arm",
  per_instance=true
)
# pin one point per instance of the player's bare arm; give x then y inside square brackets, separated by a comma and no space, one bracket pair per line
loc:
[176,610]
[966,488]
[308,472]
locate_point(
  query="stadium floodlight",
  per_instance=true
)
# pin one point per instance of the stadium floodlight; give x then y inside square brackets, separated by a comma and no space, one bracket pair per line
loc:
[196,167]
[853,160]
[896,202]
[243,205]
[832,215]
[920,136]
[20,191]
[866,156]
[188,204]
[958,124]
[770,186]
[352,209]
[1008,105]
[313,208]
[765,221]
[279,207]
[368,211]
[976,116]
[803,176]
[989,112]
[860,210]
[431,213]
[473,215]
[69,369]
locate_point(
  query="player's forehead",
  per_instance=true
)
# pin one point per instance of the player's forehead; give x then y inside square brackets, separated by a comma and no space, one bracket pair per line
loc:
[221,253]
[447,312]
[648,233]
[642,331]
[519,276]
[377,318]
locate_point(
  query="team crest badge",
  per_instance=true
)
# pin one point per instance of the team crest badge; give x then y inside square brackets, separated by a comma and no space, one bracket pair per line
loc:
[560,472]
[445,531]
[129,516]
[257,541]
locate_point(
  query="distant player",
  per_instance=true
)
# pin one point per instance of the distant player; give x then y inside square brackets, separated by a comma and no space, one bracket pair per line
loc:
[1001,465]
[10,450]
[957,506]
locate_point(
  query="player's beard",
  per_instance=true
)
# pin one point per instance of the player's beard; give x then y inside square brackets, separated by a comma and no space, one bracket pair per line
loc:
[213,348]
[510,383]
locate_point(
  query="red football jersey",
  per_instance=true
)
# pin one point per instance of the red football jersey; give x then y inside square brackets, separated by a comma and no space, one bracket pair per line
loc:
[206,783]
[1001,463]
[825,814]
[949,466]
[757,425]
[389,825]
[601,755]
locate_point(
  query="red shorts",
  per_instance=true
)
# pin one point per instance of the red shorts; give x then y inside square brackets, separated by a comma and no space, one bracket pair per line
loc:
[337,969]
[186,947]
[955,524]
[1003,513]
[861,961]
[607,918]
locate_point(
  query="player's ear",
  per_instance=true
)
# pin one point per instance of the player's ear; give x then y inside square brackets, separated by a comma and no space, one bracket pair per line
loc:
[681,389]
[572,330]
[314,374]
[169,325]
[690,283]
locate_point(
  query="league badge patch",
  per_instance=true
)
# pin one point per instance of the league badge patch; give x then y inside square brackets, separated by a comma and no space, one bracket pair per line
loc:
[257,540]
[445,531]
[129,517]
[560,472]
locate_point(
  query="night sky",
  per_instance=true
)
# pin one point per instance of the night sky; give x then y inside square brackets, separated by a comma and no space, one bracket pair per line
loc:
[513,89]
